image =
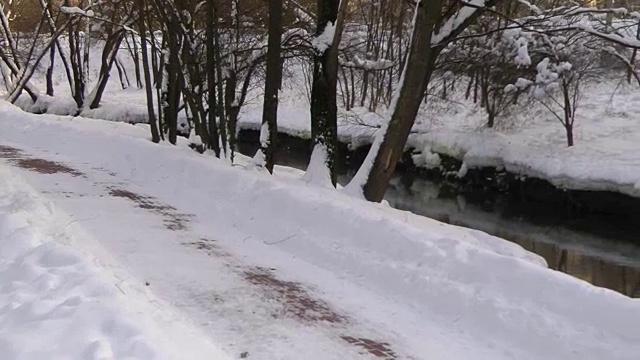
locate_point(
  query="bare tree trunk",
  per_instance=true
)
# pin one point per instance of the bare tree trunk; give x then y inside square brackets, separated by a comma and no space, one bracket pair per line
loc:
[324,120]
[568,111]
[633,56]
[122,73]
[155,134]
[76,67]
[52,60]
[379,166]
[171,90]
[272,85]
[569,130]
[157,63]
[418,70]
[46,6]
[214,135]
[109,54]
[136,61]
[222,126]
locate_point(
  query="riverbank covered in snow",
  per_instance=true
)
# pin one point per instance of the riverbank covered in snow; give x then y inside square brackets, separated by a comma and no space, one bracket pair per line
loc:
[530,143]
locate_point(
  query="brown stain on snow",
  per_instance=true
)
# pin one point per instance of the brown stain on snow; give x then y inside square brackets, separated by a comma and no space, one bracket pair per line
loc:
[378,349]
[7,152]
[45,166]
[20,159]
[172,219]
[208,246]
[297,302]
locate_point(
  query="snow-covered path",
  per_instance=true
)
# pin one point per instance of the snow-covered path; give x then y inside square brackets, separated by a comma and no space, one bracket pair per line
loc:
[270,268]
[152,250]
[57,302]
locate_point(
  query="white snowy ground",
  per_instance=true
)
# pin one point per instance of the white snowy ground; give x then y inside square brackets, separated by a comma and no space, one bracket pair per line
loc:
[265,267]
[60,302]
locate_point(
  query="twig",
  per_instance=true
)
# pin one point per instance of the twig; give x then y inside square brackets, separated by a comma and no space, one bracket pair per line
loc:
[279,241]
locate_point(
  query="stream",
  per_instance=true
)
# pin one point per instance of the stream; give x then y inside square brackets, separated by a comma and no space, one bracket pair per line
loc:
[603,250]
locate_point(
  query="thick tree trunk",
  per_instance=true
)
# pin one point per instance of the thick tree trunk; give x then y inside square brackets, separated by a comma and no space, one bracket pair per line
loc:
[76,67]
[423,53]
[419,67]
[324,120]
[172,92]
[272,84]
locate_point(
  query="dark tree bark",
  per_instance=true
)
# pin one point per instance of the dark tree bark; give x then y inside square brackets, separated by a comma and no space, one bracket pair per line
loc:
[171,93]
[109,53]
[155,133]
[214,135]
[232,110]
[272,83]
[52,60]
[136,62]
[418,72]
[157,64]
[53,28]
[79,83]
[324,119]
[419,68]
[569,114]
[222,125]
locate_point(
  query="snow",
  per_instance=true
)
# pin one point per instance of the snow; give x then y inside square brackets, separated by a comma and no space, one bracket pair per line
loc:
[462,172]
[522,58]
[259,159]
[532,143]
[318,172]
[72,10]
[325,40]
[427,159]
[429,289]
[56,303]
[366,64]
[454,22]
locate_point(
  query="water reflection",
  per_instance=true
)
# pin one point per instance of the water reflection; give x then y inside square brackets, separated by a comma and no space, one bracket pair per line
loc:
[612,262]
[600,272]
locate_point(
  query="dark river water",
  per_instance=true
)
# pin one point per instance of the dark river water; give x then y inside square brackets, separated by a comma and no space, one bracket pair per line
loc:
[601,250]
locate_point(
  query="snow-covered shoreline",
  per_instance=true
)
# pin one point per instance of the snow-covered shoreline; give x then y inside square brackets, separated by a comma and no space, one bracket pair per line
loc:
[605,157]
